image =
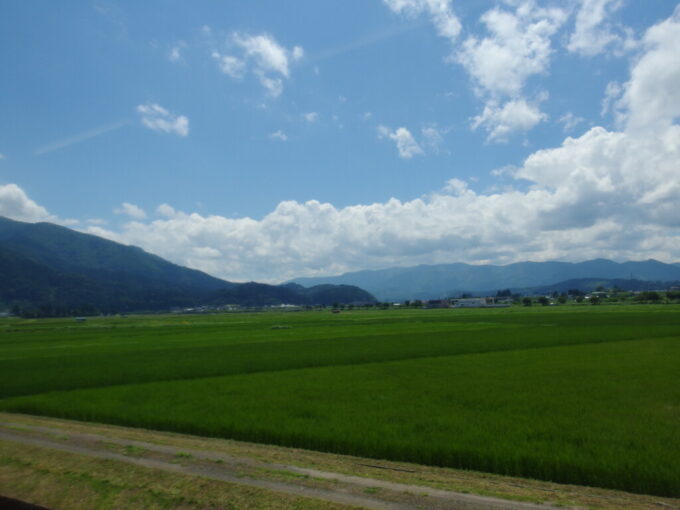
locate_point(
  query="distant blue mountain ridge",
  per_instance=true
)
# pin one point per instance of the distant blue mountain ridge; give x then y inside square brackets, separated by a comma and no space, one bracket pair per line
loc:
[448,280]
[50,270]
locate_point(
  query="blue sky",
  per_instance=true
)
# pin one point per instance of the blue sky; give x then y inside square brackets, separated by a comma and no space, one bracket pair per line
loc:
[265,140]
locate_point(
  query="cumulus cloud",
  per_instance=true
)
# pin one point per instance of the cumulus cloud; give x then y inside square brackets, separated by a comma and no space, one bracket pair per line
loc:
[157,118]
[15,204]
[166,210]
[517,47]
[652,96]
[263,56]
[440,12]
[515,115]
[456,187]
[402,137]
[131,210]
[268,55]
[594,33]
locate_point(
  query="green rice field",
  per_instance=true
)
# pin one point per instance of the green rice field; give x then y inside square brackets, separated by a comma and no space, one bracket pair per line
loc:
[586,395]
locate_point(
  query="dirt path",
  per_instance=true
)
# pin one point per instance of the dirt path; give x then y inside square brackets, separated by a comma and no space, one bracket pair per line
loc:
[328,486]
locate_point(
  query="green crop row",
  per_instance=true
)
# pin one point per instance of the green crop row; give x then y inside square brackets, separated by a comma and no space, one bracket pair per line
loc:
[167,354]
[574,395]
[603,415]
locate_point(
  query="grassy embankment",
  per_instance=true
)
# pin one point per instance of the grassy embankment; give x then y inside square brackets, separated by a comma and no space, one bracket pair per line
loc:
[587,396]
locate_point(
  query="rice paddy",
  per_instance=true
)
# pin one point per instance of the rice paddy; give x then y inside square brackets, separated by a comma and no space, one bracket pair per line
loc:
[585,395]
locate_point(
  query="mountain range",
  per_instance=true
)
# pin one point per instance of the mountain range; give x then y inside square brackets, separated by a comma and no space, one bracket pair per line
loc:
[47,269]
[449,280]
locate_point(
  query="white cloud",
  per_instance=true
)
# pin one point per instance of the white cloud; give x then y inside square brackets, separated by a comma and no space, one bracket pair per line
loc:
[131,210]
[440,11]
[652,96]
[157,118]
[267,53]
[310,117]
[230,65]
[402,137]
[166,210]
[263,56]
[501,121]
[279,135]
[570,121]
[594,34]
[456,187]
[518,46]
[2,156]
[15,204]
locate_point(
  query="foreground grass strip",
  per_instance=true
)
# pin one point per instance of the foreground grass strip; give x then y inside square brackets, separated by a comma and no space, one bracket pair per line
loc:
[603,415]
[61,479]
[294,459]
[394,496]
[64,481]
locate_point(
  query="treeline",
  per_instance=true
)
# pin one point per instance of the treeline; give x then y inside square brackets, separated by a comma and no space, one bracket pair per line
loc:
[31,311]
[603,296]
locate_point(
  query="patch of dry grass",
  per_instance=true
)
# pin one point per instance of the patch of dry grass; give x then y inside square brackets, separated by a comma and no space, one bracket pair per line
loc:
[65,481]
[43,471]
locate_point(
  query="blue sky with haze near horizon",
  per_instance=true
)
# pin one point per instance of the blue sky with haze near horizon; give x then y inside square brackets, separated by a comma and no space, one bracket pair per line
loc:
[264,141]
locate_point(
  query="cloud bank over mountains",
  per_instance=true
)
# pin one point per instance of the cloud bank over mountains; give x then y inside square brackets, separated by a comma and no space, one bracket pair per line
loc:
[605,193]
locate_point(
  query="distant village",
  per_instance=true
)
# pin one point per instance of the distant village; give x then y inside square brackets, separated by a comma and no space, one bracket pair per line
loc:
[502,299]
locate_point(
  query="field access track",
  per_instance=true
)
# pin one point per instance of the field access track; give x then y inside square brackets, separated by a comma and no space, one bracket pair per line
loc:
[345,489]
[309,478]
